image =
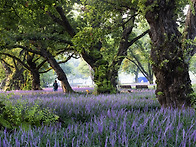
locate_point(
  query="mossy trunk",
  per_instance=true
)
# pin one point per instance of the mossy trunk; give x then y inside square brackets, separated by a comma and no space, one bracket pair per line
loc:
[103,75]
[104,80]
[7,73]
[173,84]
[15,81]
[168,61]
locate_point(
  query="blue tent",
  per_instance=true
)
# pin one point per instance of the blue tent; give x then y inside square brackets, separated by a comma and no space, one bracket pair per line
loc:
[142,79]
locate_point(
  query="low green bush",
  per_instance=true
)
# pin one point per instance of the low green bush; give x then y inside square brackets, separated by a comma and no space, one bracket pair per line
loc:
[22,113]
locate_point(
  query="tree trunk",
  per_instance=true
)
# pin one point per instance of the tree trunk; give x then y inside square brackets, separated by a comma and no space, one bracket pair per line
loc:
[104,81]
[7,73]
[34,73]
[169,66]
[100,67]
[105,73]
[150,73]
[136,75]
[35,80]
[15,81]
[59,71]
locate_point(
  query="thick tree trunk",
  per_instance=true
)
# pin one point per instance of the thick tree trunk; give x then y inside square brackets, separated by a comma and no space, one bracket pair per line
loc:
[169,66]
[35,80]
[34,73]
[7,73]
[59,71]
[104,81]
[100,66]
[15,81]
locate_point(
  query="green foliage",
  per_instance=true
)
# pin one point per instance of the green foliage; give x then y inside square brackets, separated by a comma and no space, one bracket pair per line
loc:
[67,68]
[101,78]
[193,65]
[47,78]
[179,69]
[84,68]
[2,72]
[21,113]
[86,38]
[163,63]
[193,100]
[160,93]
[28,81]
[143,8]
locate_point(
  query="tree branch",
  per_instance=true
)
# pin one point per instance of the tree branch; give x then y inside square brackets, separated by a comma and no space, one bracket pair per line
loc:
[55,19]
[41,64]
[133,16]
[27,49]
[137,38]
[37,38]
[68,58]
[140,67]
[16,58]
[41,72]
[7,63]
[65,21]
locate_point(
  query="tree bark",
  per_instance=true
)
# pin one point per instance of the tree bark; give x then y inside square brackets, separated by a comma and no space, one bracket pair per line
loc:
[35,80]
[100,67]
[59,71]
[35,73]
[14,78]
[136,75]
[167,54]
[15,81]
[7,73]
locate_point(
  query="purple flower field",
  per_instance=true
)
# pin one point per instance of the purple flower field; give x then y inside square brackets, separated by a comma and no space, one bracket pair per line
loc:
[50,89]
[121,120]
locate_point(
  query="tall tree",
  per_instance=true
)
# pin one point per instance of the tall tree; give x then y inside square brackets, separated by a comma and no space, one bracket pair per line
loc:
[28,25]
[171,50]
[114,19]
[5,71]
[53,20]
[14,77]
[31,63]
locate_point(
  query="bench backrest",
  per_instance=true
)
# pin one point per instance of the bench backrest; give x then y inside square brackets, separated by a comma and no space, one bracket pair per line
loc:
[141,86]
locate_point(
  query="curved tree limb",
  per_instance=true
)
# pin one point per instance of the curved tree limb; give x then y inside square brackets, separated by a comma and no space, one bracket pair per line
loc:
[138,37]
[64,22]
[16,58]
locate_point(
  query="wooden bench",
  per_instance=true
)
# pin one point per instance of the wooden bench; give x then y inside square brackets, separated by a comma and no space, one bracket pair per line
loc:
[125,86]
[141,86]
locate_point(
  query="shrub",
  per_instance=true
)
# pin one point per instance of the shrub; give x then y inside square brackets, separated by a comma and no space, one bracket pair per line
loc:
[21,113]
